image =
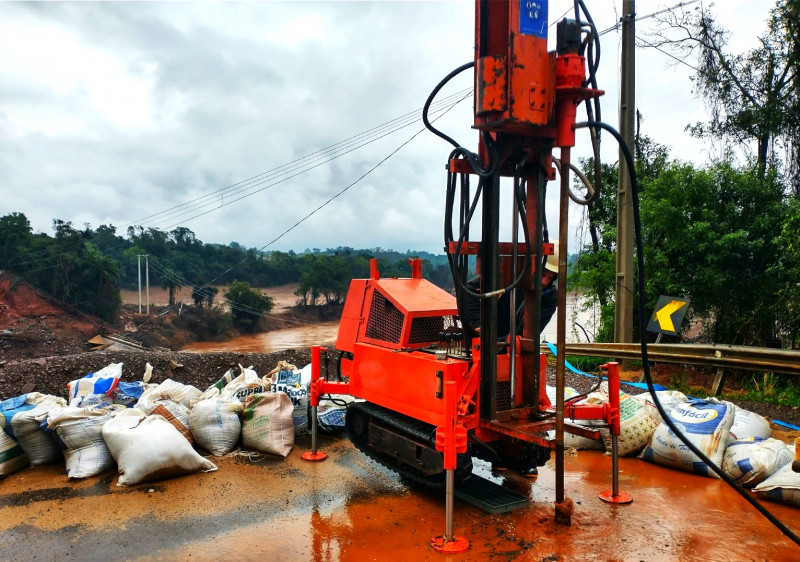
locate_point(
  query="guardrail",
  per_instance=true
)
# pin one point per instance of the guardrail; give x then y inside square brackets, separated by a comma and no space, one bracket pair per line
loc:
[719,356]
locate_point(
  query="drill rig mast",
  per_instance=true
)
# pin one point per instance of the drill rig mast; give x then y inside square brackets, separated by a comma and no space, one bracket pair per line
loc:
[438,390]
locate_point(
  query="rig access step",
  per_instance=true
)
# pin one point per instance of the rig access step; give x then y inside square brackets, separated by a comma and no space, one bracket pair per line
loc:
[489,496]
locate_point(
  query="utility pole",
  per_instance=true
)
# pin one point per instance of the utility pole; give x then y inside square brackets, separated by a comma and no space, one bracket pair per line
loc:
[139,258]
[147,280]
[623,314]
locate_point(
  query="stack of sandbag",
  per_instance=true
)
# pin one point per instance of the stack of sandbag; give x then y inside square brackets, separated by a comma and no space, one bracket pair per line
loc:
[149,448]
[23,418]
[752,460]
[295,384]
[636,425]
[81,432]
[705,423]
[95,388]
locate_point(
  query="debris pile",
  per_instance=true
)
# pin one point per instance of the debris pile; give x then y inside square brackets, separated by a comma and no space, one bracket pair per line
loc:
[154,431]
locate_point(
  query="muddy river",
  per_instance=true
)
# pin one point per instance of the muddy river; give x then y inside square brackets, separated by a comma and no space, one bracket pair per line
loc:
[582,322]
[277,340]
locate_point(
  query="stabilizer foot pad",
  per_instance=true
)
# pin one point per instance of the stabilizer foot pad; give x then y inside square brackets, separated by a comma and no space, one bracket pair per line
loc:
[449,546]
[314,457]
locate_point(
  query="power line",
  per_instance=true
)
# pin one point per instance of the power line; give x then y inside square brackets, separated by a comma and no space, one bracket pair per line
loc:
[291,169]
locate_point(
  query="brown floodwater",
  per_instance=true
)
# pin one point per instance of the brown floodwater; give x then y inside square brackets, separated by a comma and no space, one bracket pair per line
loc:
[350,508]
[269,342]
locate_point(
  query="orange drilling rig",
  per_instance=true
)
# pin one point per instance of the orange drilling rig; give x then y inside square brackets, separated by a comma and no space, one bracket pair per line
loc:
[437,389]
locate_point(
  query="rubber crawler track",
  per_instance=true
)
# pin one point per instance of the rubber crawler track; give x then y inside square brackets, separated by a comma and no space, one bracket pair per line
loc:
[411,428]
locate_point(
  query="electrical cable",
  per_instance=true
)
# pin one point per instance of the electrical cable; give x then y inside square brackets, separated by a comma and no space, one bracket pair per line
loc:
[643,316]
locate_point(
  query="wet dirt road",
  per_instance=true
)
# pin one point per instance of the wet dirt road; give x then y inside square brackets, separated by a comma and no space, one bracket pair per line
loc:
[349,508]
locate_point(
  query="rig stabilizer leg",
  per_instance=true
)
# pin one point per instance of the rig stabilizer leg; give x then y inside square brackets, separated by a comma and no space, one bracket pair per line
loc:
[449,544]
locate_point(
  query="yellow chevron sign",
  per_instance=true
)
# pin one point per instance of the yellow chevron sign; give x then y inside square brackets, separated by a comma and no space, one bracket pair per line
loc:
[668,314]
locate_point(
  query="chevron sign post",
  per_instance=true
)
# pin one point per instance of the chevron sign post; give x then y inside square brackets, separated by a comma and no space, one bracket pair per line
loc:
[668,315]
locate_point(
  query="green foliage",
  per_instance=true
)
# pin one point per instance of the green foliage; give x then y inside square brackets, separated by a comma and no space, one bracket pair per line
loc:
[721,236]
[710,236]
[247,305]
[769,387]
[586,364]
[86,268]
[785,271]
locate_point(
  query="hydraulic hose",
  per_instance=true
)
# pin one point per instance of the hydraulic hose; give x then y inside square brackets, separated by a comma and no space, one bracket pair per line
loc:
[637,225]
[473,159]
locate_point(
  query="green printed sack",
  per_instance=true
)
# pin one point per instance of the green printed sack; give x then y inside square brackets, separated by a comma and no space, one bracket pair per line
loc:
[267,426]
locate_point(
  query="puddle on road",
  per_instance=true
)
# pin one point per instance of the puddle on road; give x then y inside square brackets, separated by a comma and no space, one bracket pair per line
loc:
[674,516]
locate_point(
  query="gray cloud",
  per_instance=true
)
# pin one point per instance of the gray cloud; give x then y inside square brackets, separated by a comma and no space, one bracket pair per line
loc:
[112,112]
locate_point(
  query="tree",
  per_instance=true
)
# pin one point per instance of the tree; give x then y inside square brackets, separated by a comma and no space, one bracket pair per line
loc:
[15,241]
[247,305]
[170,282]
[203,295]
[785,271]
[753,96]
[98,285]
[710,235]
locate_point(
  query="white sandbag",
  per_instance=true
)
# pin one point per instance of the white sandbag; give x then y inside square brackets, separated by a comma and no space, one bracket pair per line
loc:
[668,399]
[783,486]
[169,389]
[150,448]
[81,432]
[12,457]
[578,442]
[245,386]
[749,424]
[569,392]
[292,383]
[22,423]
[175,413]
[706,424]
[636,425]
[215,424]
[267,424]
[752,460]
[95,385]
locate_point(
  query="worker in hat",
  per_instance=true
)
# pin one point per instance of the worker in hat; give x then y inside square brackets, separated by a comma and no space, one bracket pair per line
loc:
[549,287]
[548,303]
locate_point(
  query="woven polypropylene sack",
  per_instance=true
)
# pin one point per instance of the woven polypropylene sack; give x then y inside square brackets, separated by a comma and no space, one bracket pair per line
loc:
[268,425]
[150,448]
[216,424]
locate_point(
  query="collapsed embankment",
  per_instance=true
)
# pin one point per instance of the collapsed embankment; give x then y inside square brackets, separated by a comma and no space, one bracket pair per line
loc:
[50,375]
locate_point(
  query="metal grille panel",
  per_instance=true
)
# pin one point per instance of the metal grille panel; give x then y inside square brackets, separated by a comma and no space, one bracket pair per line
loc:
[503,395]
[385,321]
[427,329]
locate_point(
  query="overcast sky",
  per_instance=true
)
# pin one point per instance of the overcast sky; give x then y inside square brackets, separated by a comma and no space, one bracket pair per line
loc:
[153,113]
